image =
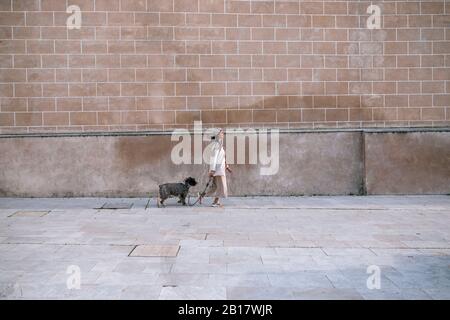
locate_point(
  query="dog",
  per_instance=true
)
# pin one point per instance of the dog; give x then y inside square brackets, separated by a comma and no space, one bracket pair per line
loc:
[179,190]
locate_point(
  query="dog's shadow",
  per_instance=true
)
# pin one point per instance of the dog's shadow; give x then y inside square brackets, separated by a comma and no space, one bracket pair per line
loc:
[172,202]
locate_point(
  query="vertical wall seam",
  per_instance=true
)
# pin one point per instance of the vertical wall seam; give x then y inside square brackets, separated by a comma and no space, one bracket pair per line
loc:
[363,188]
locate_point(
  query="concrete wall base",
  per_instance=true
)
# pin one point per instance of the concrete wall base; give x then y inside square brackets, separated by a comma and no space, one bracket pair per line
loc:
[352,162]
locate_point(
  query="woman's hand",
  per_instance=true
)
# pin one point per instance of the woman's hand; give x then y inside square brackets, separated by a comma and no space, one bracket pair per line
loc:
[211,173]
[228,169]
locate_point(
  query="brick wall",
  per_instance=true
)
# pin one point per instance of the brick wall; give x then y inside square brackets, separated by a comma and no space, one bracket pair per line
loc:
[160,64]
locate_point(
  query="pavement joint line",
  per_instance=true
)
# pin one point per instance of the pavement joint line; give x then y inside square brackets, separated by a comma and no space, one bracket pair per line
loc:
[134,248]
[332,284]
[100,206]
[261,208]
[71,244]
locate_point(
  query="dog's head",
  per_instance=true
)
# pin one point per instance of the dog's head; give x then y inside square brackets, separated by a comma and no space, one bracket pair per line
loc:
[190,181]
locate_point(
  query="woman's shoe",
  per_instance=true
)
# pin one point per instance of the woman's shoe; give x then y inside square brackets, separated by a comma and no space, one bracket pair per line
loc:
[216,204]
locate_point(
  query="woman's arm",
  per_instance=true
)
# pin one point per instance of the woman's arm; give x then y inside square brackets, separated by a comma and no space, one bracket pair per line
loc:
[213,161]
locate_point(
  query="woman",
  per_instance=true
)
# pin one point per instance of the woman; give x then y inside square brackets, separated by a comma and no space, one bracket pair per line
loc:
[217,169]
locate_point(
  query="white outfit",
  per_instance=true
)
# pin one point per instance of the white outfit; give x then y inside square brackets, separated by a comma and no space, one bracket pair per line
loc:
[218,187]
[217,161]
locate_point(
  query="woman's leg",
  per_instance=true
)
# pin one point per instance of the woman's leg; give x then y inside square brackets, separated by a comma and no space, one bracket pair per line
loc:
[221,192]
[223,181]
[218,189]
[212,190]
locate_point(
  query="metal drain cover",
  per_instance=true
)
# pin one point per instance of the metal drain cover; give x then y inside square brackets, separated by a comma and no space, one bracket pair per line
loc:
[29,214]
[115,205]
[145,250]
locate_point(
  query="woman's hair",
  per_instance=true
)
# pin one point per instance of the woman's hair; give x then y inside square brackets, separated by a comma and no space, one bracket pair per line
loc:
[216,135]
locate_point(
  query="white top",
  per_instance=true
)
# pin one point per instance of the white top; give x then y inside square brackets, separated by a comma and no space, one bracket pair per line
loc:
[217,161]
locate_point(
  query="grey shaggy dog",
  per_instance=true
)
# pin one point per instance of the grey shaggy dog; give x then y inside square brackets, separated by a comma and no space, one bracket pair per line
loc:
[175,189]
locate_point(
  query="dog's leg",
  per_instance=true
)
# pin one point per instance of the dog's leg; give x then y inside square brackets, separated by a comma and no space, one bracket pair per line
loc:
[162,202]
[183,199]
[158,202]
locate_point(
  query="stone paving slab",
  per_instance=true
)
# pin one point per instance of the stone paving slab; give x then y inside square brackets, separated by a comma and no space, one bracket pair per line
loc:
[253,248]
[193,293]
[327,293]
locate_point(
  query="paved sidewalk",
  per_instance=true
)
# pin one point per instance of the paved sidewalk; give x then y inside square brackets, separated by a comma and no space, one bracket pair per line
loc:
[254,248]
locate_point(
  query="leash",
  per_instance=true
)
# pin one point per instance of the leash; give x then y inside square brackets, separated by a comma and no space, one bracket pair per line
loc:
[148,202]
[201,195]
